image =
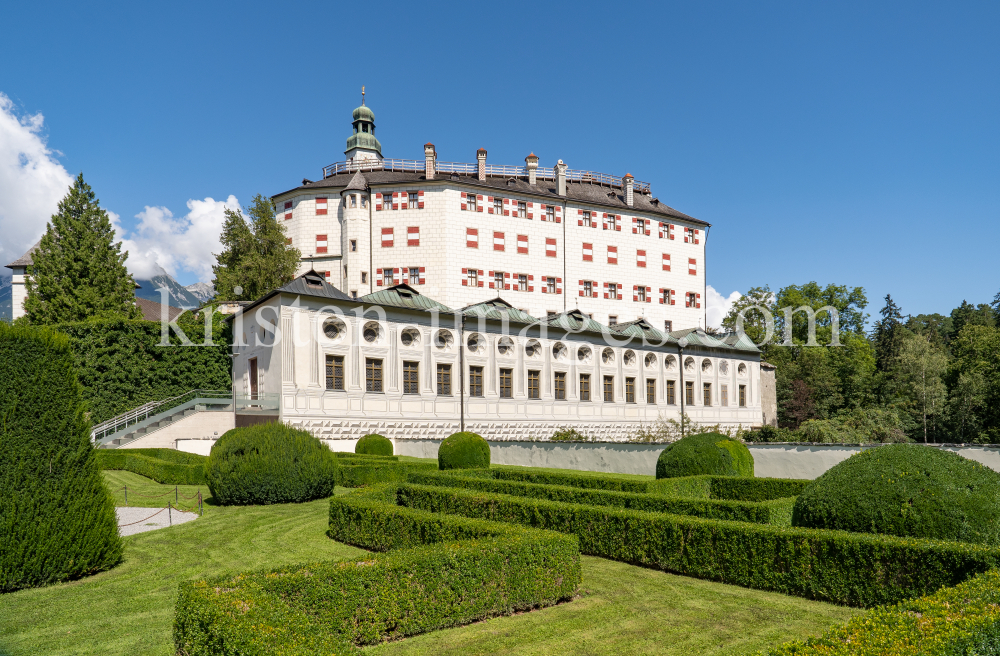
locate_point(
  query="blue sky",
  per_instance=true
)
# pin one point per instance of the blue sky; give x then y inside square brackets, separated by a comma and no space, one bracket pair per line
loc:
[848,143]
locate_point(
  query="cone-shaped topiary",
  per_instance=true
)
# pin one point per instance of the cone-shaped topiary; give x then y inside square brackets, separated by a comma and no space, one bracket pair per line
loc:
[907,490]
[463,451]
[269,463]
[374,444]
[705,453]
[57,518]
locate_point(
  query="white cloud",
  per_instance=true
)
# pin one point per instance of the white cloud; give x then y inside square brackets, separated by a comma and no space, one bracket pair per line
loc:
[175,244]
[32,181]
[719,305]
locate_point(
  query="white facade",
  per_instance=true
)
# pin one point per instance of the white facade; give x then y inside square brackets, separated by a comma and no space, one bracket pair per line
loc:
[532,375]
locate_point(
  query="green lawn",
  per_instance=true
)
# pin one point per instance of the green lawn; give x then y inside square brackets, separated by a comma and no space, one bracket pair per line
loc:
[622,609]
[147,493]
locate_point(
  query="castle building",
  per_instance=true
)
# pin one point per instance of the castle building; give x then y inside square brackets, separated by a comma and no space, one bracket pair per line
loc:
[548,240]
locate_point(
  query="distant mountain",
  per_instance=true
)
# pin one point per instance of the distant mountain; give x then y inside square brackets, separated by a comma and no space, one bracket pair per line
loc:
[179,296]
[204,291]
[5,300]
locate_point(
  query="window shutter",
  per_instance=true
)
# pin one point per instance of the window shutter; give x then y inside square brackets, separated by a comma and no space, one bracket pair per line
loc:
[378,202]
[420,199]
[673,299]
[649,294]
[472,237]
[413,236]
[666,261]
[697,303]
[422,279]
[671,231]
[696,237]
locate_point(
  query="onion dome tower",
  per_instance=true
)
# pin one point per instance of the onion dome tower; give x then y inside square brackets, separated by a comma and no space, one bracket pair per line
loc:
[362,145]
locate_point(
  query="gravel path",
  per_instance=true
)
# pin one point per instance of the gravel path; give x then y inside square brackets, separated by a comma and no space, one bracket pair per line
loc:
[130,520]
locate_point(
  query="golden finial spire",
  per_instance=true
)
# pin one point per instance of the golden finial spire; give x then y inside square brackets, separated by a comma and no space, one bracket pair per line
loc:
[362,95]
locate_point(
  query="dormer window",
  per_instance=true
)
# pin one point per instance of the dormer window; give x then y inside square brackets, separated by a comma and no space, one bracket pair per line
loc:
[313,280]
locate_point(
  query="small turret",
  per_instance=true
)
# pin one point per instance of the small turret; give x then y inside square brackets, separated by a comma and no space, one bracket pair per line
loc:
[362,145]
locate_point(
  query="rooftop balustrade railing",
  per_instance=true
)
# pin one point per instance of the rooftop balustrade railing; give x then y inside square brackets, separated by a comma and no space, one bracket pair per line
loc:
[491,170]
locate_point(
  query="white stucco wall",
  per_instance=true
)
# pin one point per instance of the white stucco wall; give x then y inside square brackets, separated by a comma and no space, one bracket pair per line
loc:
[197,427]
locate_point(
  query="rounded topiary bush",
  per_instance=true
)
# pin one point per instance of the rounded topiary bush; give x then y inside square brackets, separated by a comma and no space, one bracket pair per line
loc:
[374,444]
[705,453]
[464,451]
[57,518]
[907,490]
[269,463]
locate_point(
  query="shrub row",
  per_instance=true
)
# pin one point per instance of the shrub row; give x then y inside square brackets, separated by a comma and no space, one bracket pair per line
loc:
[848,568]
[731,488]
[371,471]
[151,463]
[332,608]
[964,619]
[777,512]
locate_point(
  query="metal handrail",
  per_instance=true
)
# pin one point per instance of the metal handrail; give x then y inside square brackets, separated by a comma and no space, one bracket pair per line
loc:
[143,412]
[496,170]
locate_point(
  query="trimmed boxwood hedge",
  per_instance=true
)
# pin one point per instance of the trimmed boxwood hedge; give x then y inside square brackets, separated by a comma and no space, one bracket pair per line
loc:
[270,463]
[705,453]
[57,518]
[777,512]
[907,490]
[856,569]
[354,473]
[374,444]
[333,608]
[165,466]
[962,620]
[463,451]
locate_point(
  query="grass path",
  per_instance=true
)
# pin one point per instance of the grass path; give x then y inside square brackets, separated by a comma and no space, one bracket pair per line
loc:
[129,610]
[626,610]
[146,493]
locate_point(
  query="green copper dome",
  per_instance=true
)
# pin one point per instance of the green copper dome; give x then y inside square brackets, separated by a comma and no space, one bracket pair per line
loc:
[363,120]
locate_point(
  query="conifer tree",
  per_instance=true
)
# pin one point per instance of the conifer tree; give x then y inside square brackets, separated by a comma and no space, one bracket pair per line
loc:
[888,337]
[78,271]
[255,257]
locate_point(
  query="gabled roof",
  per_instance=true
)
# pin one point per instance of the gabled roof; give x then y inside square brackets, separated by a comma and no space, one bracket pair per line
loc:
[698,337]
[643,330]
[357,183]
[25,260]
[312,283]
[153,311]
[404,296]
[498,309]
[574,321]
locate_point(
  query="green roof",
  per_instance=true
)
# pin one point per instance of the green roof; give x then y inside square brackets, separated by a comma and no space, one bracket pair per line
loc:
[404,296]
[498,310]
[728,341]
[575,321]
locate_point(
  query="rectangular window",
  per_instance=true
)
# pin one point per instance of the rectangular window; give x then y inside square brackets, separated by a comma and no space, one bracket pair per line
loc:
[550,285]
[498,241]
[588,288]
[688,235]
[506,383]
[612,319]
[640,259]
[522,244]
[743,396]
[354,245]
[373,375]
[671,393]
[364,277]
[559,384]
[522,209]
[689,392]
[668,325]
[444,379]
[472,237]
[522,283]
[609,389]
[335,372]
[498,279]
[640,294]
[475,381]
[724,395]
[612,255]
[630,390]
[550,213]
[387,277]
[706,393]
[414,275]
[534,386]
[584,387]
[413,198]
[498,206]
[413,236]
[587,219]
[666,297]
[473,278]
[471,202]
[354,200]
[364,202]
[613,290]
[650,390]
[411,378]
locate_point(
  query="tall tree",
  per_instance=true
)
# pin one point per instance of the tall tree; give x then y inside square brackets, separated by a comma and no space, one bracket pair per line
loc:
[888,335]
[974,383]
[255,258]
[920,368]
[755,322]
[968,314]
[78,271]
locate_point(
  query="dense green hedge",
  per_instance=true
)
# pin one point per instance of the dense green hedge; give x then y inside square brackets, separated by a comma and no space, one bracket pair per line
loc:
[121,364]
[705,453]
[961,621]
[332,608]
[463,451]
[359,474]
[848,568]
[374,444]
[907,490]
[57,518]
[270,463]
[165,466]
[778,512]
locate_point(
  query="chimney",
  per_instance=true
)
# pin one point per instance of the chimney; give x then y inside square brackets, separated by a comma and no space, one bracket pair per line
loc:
[531,163]
[627,186]
[430,163]
[481,158]
[560,178]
